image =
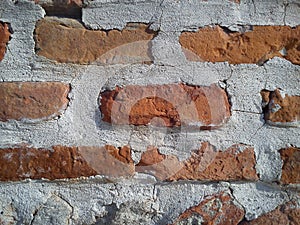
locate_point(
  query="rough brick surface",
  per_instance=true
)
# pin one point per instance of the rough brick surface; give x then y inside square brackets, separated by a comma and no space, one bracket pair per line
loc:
[4,38]
[215,44]
[236,163]
[32,100]
[218,209]
[287,213]
[166,105]
[64,162]
[280,107]
[291,165]
[67,41]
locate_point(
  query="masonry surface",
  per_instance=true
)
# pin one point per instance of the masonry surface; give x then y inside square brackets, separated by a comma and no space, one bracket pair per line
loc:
[149,112]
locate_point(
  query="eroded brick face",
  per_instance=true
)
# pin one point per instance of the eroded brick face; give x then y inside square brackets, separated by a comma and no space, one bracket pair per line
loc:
[218,209]
[32,100]
[236,163]
[64,162]
[4,38]
[213,44]
[166,105]
[288,213]
[281,108]
[67,41]
[291,165]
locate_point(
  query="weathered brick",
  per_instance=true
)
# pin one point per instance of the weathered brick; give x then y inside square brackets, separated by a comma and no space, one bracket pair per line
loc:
[4,38]
[281,109]
[32,100]
[236,163]
[64,162]
[288,213]
[215,44]
[166,105]
[67,41]
[291,165]
[219,209]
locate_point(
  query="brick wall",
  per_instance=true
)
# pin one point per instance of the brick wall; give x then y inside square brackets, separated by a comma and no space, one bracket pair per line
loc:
[149,112]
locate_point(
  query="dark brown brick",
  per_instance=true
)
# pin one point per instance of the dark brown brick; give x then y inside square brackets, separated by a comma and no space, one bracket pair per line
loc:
[166,105]
[4,38]
[291,165]
[67,41]
[214,44]
[64,162]
[32,100]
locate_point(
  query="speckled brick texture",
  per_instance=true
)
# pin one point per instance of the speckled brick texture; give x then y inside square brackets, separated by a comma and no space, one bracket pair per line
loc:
[149,112]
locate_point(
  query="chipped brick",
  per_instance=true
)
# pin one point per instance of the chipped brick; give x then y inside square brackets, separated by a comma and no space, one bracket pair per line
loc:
[32,100]
[167,105]
[214,44]
[67,41]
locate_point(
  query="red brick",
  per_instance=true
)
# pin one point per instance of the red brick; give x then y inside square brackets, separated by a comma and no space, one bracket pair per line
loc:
[287,213]
[213,44]
[67,41]
[236,163]
[64,162]
[166,105]
[291,165]
[4,38]
[218,209]
[32,100]
[281,109]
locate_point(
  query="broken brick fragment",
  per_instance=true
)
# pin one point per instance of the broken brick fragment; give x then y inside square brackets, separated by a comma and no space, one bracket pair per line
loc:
[219,209]
[236,163]
[281,109]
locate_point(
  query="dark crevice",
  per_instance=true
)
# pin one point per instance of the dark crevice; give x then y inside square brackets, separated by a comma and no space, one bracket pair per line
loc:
[73,12]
